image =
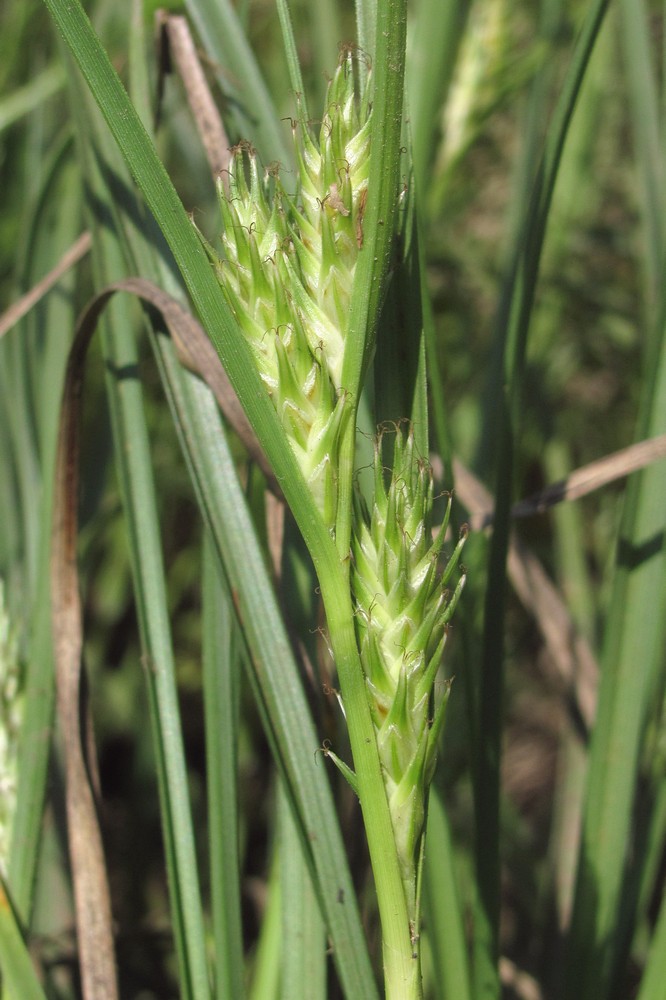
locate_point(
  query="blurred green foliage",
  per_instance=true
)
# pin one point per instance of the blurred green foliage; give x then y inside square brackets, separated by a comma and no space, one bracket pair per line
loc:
[585,381]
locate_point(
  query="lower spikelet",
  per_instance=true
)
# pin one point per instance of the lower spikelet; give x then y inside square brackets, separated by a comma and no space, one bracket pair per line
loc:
[403,610]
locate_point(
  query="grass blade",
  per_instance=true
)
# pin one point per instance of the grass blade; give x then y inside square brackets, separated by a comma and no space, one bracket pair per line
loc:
[252,108]
[366,25]
[654,977]
[303,967]
[18,973]
[443,910]
[431,53]
[266,966]
[515,316]
[220,680]
[138,495]
[646,120]
[631,681]
[273,674]
[377,238]
[194,266]
[400,362]
[294,65]
[32,95]
[41,352]
[632,678]
[277,684]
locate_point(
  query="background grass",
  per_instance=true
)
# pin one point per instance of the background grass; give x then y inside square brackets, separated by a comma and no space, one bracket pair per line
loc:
[580,923]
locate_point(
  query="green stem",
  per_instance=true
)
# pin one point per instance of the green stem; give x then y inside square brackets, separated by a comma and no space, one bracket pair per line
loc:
[401,964]
[401,968]
[377,236]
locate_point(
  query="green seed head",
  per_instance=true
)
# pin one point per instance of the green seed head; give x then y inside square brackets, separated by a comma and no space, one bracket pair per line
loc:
[482,70]
[288,268]
[402,614]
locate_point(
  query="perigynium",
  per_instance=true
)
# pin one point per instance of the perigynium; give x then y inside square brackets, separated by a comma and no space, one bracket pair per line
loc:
[403,610]
[288,269]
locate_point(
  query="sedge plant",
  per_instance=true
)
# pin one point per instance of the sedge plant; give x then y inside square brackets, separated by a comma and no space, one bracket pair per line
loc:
[310,284]
[287,275]
[294,313]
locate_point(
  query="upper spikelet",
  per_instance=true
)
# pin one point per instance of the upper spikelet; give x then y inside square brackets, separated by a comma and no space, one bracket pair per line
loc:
[288,267]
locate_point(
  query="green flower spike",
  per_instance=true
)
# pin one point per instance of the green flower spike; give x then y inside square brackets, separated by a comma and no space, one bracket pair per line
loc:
[402,617]
[288,270]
